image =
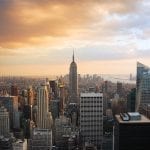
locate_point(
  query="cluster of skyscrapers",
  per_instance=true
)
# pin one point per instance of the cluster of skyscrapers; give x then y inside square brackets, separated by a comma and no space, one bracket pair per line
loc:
[56,115]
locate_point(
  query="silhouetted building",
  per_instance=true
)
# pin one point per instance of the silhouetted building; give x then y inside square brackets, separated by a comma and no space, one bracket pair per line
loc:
[131,99]
[131,132]
[73,83]
[54,108]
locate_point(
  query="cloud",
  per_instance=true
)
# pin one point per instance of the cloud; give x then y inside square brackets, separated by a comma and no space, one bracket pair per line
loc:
[24,21]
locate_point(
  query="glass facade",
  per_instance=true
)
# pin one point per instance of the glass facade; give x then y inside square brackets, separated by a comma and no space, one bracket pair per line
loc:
[143,86]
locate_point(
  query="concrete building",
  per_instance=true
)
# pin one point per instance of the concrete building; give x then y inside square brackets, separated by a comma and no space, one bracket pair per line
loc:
[44,118]
[41,139]
[4,122]
[73,82]
[131,131]
[11,104]
[91,118]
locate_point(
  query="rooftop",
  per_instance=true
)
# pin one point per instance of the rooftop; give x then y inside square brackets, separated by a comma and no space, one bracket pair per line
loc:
[142,120]
[91,94]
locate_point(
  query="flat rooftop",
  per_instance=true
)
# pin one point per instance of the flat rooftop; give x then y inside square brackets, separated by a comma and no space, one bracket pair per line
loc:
[91,94]
[142,120]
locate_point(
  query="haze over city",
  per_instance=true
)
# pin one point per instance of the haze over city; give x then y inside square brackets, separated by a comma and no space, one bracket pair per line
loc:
[38,37]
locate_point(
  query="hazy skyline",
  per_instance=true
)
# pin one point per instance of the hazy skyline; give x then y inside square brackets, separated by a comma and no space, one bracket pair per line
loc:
[37,37]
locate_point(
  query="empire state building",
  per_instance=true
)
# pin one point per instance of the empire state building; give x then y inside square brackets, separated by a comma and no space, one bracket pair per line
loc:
[73,84]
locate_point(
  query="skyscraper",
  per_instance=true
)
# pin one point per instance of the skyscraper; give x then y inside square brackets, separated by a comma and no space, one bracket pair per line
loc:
[142,85]
[91,118]
[41,139]
[43,114]
[4,121]
[73,83]
[131,132]
[131,99]
[11,104]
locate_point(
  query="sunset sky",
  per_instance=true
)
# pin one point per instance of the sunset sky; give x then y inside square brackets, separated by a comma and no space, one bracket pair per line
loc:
[37,37]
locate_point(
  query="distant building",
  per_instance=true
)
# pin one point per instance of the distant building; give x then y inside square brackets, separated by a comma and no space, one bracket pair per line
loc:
[119,89]
[54,108]
[54,89]
[131,100]
[44,119]
[41,139]
[142,86]
[73,82]
[131,131]
[11,104]
[4,122]
[91,118]
[30,96]
[61,96]
[14,90]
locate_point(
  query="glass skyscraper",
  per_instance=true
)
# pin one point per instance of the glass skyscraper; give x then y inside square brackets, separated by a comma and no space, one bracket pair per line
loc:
[143,86]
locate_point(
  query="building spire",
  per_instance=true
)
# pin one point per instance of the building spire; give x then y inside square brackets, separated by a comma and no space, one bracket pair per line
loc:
[73,56]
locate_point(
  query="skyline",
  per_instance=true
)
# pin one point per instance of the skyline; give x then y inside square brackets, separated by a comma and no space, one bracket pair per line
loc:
[108,37]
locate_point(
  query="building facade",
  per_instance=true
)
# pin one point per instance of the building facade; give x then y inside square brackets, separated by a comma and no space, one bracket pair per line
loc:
[4,122]
[131,99]
[41,139]
[44,118]
[91,118]
[142,86]
[11,104]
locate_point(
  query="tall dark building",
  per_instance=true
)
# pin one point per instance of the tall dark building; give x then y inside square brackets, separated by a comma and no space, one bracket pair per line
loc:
[131,132]
[131,98]
[14,90]
[54,89]
[119,88]
[73,83]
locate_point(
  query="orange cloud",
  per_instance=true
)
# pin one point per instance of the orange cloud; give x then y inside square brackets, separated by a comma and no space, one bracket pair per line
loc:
[23,21]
